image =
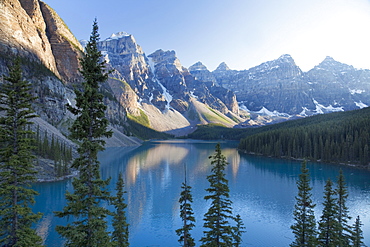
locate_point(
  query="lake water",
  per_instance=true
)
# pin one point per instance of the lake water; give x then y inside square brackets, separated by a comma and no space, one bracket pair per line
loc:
[262,191]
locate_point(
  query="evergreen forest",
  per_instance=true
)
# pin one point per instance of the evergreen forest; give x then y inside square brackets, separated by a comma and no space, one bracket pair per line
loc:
[49,147]
[341,137]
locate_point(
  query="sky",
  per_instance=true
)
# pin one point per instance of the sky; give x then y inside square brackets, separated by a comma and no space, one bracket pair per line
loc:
[241,33]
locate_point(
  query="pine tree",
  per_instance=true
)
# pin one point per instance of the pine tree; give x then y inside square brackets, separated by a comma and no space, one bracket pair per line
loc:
[304,228]
[238,231]
[217,218]
[343,217]
[121,233]
[328,224]
[16,164]
[89,227]
[52,148]
[38,140]
[186,214]
[357,237]
[45,145]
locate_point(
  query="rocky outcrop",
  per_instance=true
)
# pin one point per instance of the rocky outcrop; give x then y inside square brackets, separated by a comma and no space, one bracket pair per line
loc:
[65,47]
[338,86]
[222,67]
[160,79]
[123,53]
[50,61]
[27,28]
[159,85]
[201,73]
[275,85]
[22,32]
[280,86]
[31,29]
[208,90]
[125,96]
[170,73]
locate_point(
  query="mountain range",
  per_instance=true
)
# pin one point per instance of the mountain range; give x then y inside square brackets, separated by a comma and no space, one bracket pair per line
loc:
[157,88]
[280,86]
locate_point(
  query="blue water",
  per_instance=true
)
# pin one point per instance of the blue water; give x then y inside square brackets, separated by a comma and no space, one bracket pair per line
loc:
[262,190]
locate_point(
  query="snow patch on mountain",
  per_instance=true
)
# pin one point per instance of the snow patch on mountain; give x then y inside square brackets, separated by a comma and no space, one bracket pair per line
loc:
[265,112]
[275,113]
[305,112]
[321,109]
[192,95]
[361,105]
[118,35]
[105,56]
[151,65]
[166,94]
[356,91]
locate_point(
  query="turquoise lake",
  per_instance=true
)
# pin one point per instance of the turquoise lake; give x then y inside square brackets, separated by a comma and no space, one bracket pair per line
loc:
[262,190]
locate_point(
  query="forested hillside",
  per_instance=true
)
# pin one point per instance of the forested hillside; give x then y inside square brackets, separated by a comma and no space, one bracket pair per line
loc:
[341,137]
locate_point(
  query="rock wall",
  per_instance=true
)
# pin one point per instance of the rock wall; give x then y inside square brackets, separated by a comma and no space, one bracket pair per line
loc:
[31,29]
[22,32]
[281,86]
[65,47]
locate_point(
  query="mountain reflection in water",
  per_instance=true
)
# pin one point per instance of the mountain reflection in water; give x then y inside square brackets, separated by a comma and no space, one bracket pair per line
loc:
[262,191]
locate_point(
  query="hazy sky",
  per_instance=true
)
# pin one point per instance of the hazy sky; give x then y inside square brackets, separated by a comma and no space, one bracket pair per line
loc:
[242,33]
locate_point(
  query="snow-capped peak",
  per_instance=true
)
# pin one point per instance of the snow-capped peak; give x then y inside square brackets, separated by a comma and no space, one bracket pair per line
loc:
[197,67]
[118,35]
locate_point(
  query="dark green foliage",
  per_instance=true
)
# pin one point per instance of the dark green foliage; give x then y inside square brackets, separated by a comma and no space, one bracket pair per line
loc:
[217,218]
[141,119]
[143,132]
[238,231]
[31,67]
[186,215]
[16,164]
[304,228]
[357,237]
[88,227]
[337,137]
[343,217]
[329,226]
[57,151]
[218,132]
[121,233]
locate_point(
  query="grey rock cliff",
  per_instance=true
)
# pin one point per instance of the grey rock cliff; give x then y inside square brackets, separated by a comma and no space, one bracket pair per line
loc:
[50,61]
[281,86]
[31,29]
[160,79]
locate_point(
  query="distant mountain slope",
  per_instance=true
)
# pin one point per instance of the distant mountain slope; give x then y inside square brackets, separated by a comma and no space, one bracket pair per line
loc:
[280,87]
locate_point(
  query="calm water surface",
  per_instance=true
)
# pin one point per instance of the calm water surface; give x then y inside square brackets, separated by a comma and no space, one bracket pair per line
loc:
[262,191]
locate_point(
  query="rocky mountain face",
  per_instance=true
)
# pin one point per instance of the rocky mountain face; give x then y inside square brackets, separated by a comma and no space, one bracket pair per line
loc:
[160,81]
[24,32]
[279,87]
[31,29]
[158,88]
[338,86]
[50,61]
